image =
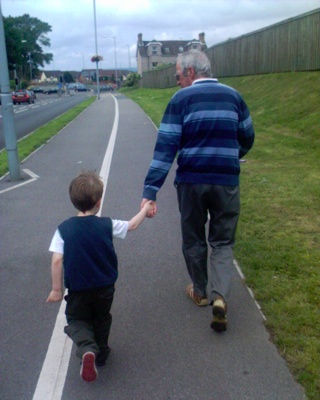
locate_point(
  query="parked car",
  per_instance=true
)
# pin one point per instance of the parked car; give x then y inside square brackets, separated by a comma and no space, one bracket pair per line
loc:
[106,88]
[50,90]
[81,88]
[36,89]
[23,96]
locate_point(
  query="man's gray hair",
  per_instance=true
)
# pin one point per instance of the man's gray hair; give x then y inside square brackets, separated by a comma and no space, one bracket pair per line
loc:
[197,60]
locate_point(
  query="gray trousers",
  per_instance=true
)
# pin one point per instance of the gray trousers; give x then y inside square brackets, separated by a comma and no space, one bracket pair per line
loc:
[210,277]
[89,320]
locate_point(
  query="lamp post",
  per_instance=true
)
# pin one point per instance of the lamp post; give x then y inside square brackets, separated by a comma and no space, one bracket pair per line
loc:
[29,54]
[115,59]
[96,42]
[129,56]
[7,110]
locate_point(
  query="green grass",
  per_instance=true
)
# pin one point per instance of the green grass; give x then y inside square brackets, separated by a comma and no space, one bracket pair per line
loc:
[29,144]
[278,237]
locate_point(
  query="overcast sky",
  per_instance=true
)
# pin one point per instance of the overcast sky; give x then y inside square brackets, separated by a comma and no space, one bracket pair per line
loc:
[73,29]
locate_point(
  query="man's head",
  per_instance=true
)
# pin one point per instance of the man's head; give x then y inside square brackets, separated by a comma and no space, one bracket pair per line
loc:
[85,191]
[192,65]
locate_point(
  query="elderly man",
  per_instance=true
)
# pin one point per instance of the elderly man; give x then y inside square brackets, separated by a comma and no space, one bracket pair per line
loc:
[208,126]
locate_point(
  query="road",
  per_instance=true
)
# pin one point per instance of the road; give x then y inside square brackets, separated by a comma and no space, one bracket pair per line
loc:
[162,345]
[29,117]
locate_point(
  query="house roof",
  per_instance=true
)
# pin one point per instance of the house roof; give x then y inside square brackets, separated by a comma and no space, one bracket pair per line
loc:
[55,74]
[168,47]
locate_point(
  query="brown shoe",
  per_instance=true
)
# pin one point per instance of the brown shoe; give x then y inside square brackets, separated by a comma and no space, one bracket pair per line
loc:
[201,301]
[219,312]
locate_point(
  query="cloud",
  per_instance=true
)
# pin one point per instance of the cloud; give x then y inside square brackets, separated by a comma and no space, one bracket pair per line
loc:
[72,21]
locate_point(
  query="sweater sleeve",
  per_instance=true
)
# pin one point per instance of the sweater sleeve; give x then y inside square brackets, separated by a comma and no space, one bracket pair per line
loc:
[167,145]
[246,132]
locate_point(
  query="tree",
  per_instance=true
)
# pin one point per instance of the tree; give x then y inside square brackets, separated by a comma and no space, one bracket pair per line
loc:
[67,77]
[25,37]
[162,66]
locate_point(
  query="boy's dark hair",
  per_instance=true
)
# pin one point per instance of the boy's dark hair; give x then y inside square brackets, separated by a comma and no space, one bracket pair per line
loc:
[86,190]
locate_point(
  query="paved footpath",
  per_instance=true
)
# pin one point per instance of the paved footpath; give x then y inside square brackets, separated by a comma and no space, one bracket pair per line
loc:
[162,344]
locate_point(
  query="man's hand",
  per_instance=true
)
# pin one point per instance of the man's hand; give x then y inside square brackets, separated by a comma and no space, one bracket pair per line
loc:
[153,212]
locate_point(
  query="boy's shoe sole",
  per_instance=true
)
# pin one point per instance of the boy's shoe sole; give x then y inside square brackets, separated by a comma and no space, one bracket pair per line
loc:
[88,371]
[199,300]
[219,312]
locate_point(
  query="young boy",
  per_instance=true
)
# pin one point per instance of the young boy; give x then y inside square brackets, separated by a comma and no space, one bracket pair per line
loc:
[83,249]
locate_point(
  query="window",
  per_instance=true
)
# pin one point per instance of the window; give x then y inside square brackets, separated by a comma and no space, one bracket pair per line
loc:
[154,65]
[154,50]
[167,50]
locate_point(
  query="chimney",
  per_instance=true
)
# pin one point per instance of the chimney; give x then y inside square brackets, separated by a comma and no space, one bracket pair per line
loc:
[140,42]
[201,38]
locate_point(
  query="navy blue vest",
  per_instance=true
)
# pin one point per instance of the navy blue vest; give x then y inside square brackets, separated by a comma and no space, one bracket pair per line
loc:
[89,257]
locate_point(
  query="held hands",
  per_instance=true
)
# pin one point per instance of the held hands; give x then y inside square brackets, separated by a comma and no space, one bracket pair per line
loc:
[54,296]
[150,207]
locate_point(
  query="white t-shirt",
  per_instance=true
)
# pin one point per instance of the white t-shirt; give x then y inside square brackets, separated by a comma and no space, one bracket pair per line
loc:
[119,230]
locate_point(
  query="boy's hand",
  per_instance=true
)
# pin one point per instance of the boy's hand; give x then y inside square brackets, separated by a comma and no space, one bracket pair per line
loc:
[54,296]
[150,207]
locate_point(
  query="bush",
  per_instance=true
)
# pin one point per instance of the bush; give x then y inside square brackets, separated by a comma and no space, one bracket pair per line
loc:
[132,80]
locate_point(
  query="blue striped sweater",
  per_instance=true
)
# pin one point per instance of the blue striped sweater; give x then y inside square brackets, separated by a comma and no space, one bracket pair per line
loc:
[209,126]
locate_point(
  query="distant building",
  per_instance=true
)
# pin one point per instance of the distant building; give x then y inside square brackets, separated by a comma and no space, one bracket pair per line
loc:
[107,75]
[49,76]
[151,54]
[54,76]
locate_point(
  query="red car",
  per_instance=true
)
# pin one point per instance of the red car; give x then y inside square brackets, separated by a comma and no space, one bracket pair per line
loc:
[23,96]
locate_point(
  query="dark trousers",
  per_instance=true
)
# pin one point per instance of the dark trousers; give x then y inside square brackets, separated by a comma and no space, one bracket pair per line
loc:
[89,320]
[221,204]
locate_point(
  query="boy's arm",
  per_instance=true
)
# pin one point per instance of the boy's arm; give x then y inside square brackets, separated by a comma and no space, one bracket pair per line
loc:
[56,293]
[137,219]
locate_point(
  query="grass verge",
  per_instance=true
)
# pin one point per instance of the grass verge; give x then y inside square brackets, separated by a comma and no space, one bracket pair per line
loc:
[40,136]
[278,237]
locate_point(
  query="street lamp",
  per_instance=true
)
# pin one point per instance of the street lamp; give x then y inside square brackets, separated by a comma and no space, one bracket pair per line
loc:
[115,59]
[115,56]
[96,42]
[7,110]
[29,54]
[129,57]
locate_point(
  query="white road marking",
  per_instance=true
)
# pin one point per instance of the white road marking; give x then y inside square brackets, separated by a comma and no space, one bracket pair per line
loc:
[17,109]
[105,169]
[55,367]
[27,171]
[249,289]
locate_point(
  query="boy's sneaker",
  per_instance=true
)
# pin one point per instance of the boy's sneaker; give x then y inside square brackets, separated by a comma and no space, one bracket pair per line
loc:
[88,371]
[219,312]
[201,301]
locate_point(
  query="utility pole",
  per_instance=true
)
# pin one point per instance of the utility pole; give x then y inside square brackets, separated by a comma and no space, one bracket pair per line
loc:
[96,42]
[115,59]
[30,67]
[7,110]
[129,57]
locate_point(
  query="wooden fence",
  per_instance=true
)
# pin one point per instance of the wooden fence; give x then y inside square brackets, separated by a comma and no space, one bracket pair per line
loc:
[290,45]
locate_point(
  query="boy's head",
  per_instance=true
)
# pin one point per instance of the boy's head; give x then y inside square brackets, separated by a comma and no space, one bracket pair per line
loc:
[85,191]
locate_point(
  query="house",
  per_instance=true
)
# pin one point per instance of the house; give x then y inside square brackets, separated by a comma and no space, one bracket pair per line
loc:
[151,54]
[49,76]
[54,76]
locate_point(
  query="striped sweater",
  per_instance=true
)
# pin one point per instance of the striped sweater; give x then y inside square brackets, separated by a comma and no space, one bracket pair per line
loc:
[209,127]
